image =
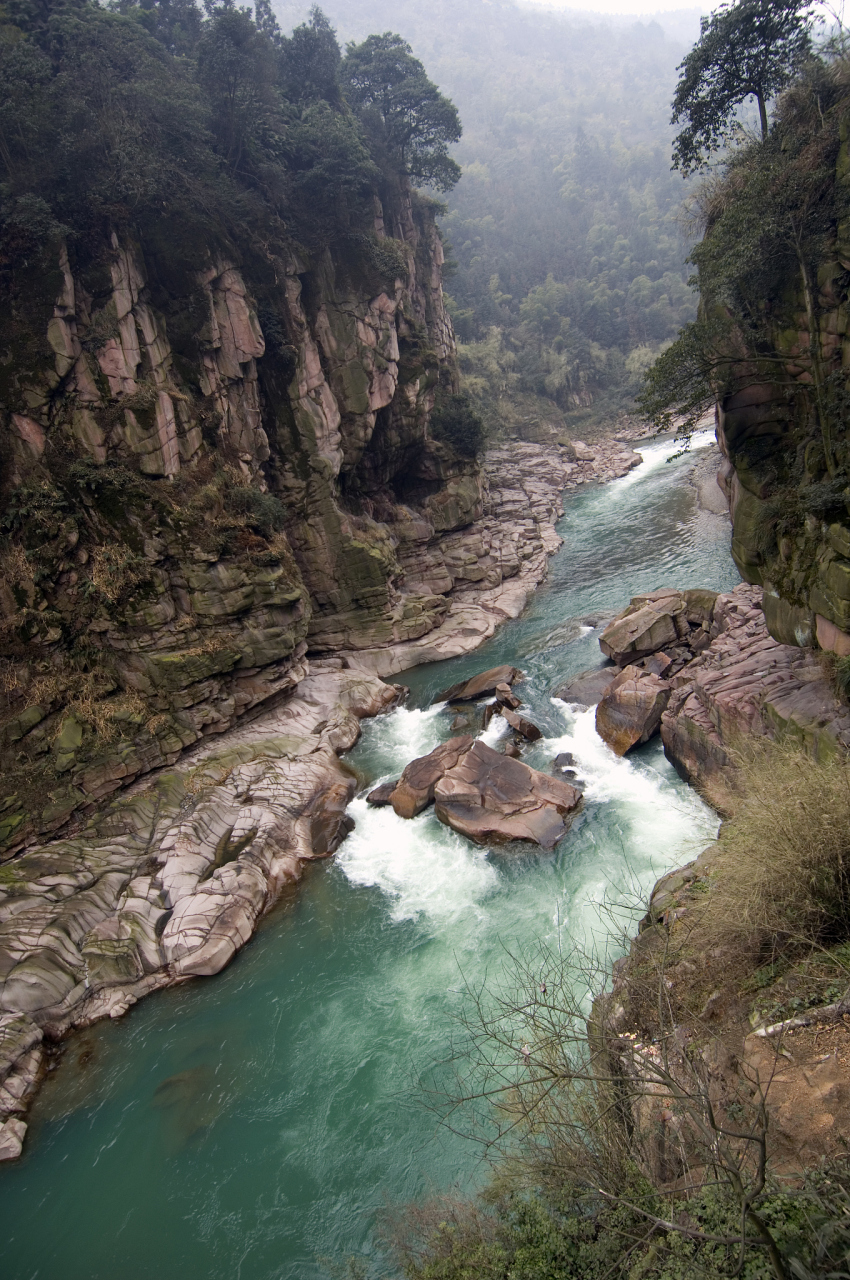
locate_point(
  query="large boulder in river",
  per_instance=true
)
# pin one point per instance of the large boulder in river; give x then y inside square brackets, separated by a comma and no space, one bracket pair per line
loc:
[659,620]
[491,798]
[415,788]
[588,687]
[631,711]
[381,796]
[480,686]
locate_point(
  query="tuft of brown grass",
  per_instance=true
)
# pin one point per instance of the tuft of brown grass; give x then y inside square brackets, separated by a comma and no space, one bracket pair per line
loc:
[113,570]
[782,875]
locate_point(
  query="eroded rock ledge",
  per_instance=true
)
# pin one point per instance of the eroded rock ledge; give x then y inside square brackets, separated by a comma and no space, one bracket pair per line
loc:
[170,882]
[488,569]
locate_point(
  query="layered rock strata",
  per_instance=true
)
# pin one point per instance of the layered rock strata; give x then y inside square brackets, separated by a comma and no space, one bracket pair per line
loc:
[201,484]
[169,882]
[488,570]
[747,684]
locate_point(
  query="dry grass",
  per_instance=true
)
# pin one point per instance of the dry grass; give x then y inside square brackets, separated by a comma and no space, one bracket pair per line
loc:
[14,567]
[113,570]
[783,872]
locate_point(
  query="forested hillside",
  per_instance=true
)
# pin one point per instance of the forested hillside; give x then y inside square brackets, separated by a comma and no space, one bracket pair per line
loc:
[569,262]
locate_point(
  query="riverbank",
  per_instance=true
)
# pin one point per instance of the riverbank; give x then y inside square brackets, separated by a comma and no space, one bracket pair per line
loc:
[758,728]
[497,561]
[169,881]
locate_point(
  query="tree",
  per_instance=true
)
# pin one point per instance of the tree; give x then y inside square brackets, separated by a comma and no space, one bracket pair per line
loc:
[746,49]
[409,119]
[236,69]
[310,60]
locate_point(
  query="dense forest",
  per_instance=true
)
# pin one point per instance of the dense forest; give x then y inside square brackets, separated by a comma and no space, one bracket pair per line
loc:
[568,260]
[193,130]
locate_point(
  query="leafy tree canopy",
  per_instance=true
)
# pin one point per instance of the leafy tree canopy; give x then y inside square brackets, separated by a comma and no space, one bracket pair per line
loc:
[188,128]
[407,116]
[746,49]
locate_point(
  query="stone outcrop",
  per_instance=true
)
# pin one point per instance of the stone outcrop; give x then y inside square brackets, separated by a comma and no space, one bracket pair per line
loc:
[630,710]
[712,1040]
[746,683]
[480,686]
[776,423]
[676,623]
[169,883]
[490,797]
[194,536]
[489,569]
[725,679]
[415,788]
[485,795]
[588,687]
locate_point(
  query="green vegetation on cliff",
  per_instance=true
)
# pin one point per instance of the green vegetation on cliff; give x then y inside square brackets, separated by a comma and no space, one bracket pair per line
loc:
[770,347]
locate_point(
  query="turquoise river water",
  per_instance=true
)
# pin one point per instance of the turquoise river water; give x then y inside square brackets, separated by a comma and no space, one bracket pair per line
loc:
[252,1125]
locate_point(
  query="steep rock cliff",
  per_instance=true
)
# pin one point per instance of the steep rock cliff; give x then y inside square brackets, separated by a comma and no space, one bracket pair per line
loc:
[781,419]
[203,476]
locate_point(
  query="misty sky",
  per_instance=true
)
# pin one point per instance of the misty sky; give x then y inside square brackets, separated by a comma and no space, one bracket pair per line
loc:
[644,8]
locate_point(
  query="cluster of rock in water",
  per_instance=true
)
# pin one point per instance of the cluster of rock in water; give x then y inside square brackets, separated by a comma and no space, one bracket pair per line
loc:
[487,795]
[702,669]
[170,881]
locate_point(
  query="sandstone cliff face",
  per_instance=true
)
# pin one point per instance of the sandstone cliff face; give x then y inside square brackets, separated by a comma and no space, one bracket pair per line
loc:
[790,509]
[197,486]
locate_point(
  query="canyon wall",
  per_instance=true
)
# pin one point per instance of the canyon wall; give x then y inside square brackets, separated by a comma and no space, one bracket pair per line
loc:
[203,478]
[782,431]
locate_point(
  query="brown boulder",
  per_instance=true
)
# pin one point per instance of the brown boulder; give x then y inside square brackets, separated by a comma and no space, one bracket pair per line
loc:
[506,698]
[480,686]
[381,796]
[415,789]
[644,628]
[588,687]
[630,712]
[659,620]
[656,664]
[528,730]
[491,797]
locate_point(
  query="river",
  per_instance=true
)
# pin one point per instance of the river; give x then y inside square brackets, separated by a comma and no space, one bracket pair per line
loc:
[251,1126]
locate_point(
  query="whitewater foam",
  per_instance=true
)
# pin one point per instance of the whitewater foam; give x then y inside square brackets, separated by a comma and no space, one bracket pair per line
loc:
[422,866]
[652,811]
[656,455]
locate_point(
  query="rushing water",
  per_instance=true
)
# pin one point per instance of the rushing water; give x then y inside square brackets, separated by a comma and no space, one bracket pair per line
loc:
[251,1125]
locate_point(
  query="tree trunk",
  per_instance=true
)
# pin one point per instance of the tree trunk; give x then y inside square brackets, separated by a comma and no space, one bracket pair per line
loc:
[762,116]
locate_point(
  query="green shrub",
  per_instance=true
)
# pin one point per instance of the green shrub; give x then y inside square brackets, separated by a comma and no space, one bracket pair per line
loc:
[455,420]
[263,511]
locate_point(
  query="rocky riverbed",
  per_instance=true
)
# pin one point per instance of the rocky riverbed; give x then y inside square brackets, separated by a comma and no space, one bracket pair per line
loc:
[170,880]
